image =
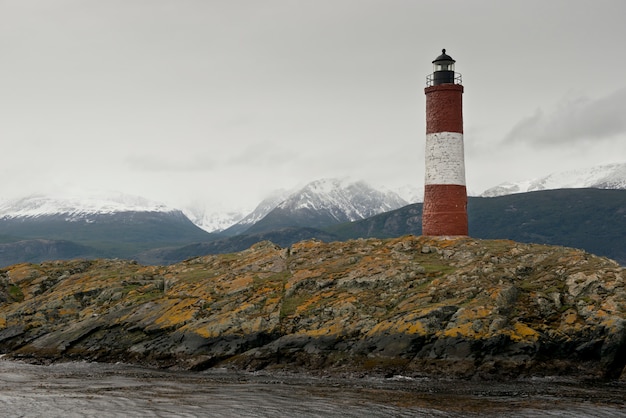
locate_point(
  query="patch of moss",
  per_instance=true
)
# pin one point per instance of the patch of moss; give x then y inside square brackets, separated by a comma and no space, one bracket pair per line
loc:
[437,269]
[290,305]
[16,293]
[531,285]
[130,287]
[194,275]
[148,296]
[497,245]
[275,279]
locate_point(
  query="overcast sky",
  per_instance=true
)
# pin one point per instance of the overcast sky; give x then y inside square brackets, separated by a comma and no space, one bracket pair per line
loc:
[225,101]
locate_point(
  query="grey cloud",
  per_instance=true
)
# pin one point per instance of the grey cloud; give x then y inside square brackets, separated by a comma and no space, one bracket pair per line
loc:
[170,164]
[262,154]
[577,120]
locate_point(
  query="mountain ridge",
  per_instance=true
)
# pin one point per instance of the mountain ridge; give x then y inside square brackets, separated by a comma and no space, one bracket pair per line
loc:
[609,176]
[83,203]
[72,205]
[325,202]
[573,217]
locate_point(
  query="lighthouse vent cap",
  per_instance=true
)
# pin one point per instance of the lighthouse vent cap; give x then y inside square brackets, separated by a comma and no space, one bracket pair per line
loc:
[443,58]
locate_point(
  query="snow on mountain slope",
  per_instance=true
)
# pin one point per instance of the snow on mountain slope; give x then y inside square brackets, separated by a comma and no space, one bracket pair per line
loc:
[610,176]
[343,199]
[266,206]
[410,193]
[213,221]
[330,199]
[77,206]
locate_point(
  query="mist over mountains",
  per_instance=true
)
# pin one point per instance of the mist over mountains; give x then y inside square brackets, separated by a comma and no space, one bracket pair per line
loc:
[341,200]
[86,203]
[319,203]
[96,225]
[610,176]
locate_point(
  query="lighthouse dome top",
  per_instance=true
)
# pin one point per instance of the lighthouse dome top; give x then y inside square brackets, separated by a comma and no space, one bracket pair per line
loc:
[443,58]
[443,71]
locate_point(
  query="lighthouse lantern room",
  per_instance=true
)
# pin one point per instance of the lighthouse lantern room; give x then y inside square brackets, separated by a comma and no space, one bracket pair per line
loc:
[443,69]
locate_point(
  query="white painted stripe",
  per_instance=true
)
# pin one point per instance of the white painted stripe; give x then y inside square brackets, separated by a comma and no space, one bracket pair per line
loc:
[445,163]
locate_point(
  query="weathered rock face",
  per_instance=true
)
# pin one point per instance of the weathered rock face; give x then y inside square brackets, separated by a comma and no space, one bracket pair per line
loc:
[412,305]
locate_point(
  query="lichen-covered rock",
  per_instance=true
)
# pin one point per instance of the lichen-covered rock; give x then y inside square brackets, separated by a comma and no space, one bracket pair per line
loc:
[411,305]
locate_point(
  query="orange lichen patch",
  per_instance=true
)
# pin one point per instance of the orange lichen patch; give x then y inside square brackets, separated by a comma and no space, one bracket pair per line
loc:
[23,271]
[226,323]
[202,293]
[272,303]
[265,290]
[411,328]
[318,298]
[301,275]
[313,300]
[67,311]
[3,321]
[463,330]
[203,332]
[569,317]
[305,245]
[410,302]
[333,329]
[217,326]
[469,314]
[408,325]
[238,283]
[522,332]
[179,312]
[612,323]
[601,314]
[245,308]
[254,325]
[609,305]
[87,312]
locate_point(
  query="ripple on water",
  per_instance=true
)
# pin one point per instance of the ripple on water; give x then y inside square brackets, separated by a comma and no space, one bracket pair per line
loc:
[106,390]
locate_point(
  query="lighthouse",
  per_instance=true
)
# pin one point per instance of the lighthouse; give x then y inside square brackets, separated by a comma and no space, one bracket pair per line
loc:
[445,193]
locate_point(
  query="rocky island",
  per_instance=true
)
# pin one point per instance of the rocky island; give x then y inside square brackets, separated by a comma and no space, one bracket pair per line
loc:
[414,306]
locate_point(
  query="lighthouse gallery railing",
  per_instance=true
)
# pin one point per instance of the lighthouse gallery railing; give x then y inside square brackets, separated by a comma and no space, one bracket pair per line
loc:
[430,79]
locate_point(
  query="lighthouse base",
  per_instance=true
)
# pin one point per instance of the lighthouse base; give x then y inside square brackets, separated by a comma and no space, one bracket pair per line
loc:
[445,210]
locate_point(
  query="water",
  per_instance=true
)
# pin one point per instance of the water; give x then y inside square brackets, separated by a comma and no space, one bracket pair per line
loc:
[118,390]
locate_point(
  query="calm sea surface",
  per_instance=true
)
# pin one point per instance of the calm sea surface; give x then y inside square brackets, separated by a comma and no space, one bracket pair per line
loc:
[118,390]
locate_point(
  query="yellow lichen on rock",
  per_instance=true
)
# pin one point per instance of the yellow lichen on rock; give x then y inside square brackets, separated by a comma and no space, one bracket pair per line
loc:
[176,312]
[522,332]
[394,300]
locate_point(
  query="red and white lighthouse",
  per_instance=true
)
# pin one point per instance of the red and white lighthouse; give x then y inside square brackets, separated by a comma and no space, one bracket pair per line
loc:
[445,194]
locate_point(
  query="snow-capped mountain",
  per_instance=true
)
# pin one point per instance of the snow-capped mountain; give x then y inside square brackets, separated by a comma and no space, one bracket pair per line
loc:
[88,203]
[234,222]
[266,206]
[90,225]
[610,176]
[343,200]
[328,201]
[212,220]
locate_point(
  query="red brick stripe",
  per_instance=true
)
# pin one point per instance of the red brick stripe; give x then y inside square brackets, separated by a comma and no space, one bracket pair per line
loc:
[444,108]
[445,210]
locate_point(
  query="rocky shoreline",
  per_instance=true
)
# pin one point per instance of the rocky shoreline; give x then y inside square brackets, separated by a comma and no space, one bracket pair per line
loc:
[412,306]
